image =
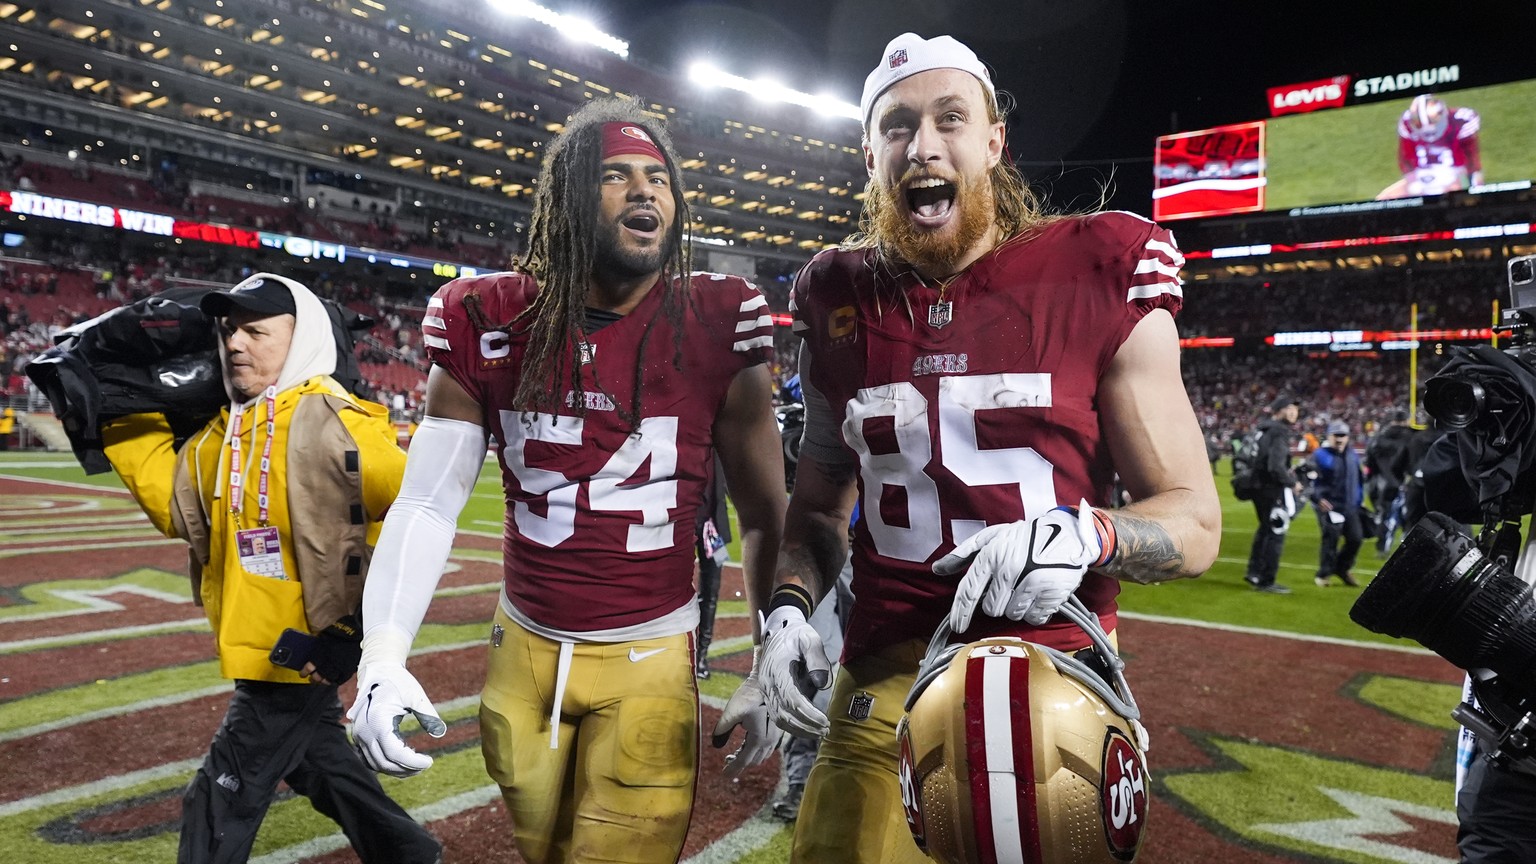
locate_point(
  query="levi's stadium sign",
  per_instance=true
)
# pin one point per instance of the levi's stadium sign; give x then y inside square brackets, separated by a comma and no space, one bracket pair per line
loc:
[1309,96]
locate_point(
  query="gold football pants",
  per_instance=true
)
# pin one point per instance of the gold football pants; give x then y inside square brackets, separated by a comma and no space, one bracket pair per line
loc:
[851,812]
[618,786]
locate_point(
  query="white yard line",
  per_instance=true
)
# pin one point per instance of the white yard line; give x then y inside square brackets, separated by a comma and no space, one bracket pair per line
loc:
[65,483]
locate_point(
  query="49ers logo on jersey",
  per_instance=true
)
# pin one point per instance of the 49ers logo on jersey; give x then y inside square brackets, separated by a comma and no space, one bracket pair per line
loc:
[1123,798]
[911,801]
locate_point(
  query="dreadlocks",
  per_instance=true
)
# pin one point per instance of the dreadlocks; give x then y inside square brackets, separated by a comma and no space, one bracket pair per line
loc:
[562,257]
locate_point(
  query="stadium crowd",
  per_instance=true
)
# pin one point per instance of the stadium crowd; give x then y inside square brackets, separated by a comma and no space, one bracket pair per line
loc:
[65,284]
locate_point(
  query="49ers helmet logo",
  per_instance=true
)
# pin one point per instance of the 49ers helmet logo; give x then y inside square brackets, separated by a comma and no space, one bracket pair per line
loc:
[636,133]
[911,801]
[1123,797]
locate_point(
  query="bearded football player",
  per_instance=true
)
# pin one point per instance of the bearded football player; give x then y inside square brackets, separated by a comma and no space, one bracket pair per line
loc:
[976,375]
[607,375]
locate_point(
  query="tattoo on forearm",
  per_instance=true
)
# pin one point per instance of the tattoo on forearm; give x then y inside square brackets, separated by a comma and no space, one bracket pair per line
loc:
[838,474]
[817,560]
[1146,552]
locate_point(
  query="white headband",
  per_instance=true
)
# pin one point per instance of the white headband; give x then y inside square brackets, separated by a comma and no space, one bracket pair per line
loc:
[909,54]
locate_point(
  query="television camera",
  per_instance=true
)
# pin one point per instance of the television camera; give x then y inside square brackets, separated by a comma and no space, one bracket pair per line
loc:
[1457,596]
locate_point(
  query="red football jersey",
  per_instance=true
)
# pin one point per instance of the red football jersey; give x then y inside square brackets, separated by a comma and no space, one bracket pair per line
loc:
[1456,147]
[599,524]
[981,414]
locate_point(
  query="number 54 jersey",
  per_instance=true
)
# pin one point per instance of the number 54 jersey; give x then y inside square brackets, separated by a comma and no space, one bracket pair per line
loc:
[599,523]
[978,412]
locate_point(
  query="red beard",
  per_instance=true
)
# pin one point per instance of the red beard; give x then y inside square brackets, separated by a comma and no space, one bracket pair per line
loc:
[933,252]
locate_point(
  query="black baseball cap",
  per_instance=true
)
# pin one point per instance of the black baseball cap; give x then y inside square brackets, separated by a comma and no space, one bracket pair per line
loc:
[1281,402]
[261,294]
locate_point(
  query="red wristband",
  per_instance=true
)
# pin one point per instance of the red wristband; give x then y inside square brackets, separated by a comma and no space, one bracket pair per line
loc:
[1109,541]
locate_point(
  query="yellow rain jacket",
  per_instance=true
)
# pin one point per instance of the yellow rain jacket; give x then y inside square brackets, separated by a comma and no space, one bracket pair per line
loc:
[344,451]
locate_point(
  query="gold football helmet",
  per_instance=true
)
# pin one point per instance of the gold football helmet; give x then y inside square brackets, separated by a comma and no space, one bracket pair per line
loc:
[1015,752]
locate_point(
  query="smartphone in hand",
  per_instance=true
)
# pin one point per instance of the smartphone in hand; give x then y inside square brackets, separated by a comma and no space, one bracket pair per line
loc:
[293,650]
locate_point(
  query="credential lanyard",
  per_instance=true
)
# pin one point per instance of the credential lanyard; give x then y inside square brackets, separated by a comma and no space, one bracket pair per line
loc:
[237,461]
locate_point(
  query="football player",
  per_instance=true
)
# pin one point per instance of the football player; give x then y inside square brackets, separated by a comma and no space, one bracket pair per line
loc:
[976,374]
[607,375]
[1437,149]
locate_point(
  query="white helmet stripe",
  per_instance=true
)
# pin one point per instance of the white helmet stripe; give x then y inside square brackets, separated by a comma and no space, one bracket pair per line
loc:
[997,699]
[1002,775]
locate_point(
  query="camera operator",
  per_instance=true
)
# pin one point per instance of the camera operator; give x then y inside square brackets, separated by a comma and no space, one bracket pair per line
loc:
[1474,605]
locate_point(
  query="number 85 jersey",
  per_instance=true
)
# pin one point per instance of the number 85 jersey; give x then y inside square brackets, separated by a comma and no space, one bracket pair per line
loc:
[978,413]
[600,516]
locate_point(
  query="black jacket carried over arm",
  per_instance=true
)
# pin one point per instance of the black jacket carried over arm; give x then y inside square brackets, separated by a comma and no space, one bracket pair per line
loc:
[156,355]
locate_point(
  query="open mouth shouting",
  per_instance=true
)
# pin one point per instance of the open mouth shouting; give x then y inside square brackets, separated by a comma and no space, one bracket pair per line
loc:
[643,223]
[931,201]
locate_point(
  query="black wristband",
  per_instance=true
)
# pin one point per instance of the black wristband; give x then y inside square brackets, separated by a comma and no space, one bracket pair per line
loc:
[790,594]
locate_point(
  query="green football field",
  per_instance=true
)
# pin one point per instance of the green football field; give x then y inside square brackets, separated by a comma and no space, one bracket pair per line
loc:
[1350,154]
[1220,596]
[108,695]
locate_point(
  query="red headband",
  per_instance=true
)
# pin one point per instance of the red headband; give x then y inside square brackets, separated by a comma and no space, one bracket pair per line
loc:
[621,139]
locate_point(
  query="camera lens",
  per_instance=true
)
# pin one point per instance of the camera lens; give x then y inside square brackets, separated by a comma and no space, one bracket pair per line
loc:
[1440,591]
[1522,271]
[1452,401]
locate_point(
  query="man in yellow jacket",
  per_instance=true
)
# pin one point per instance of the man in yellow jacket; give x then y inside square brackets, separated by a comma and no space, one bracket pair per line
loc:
[280,498]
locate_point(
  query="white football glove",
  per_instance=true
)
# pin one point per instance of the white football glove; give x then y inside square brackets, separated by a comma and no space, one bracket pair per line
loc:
[1022,570]
[748,709]
[385,694]
[795,665]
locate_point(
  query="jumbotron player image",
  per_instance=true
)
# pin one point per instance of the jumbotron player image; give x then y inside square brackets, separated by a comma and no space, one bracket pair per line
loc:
[1437,149]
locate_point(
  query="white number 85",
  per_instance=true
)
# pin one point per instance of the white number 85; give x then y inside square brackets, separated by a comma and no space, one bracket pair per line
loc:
[960,398]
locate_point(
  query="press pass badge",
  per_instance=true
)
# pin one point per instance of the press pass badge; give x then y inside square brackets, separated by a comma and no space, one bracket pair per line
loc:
[260,552]
[714,544]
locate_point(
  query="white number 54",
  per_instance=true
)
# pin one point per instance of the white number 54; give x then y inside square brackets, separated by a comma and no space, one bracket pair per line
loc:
[653,499]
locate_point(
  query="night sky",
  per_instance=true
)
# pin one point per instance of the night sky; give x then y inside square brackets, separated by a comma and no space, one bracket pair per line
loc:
[1096,80]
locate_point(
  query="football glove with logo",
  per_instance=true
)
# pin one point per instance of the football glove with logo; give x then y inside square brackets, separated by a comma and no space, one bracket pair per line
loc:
[1022,570]
[386,692]
[748,709]
[795,665]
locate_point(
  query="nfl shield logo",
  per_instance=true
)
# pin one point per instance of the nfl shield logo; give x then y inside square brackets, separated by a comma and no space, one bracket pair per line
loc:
[860,706]
[897,57]
[940,314]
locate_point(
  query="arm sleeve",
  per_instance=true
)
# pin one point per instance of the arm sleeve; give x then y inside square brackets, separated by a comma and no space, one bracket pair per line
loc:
[446,458]
[823,438]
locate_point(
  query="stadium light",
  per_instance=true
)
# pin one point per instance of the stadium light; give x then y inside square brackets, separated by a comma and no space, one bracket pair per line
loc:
[706,74]
[572,27]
